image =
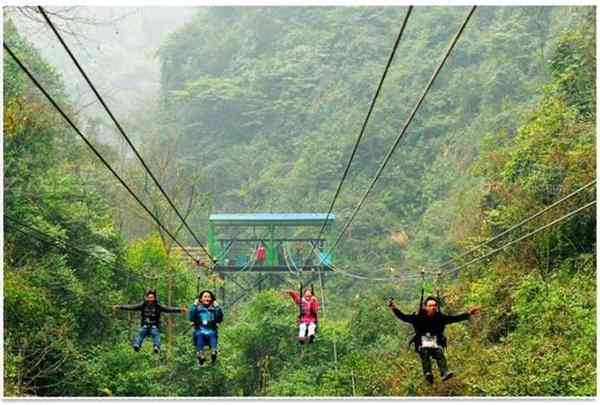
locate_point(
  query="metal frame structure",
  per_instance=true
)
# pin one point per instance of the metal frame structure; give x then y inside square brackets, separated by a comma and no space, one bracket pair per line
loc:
[228,231]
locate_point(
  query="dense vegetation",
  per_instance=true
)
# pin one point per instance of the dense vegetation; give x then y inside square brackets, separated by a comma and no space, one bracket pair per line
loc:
[259,110]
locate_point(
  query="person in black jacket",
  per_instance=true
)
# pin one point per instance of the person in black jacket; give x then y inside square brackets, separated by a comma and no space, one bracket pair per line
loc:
[429,325]
[150,310]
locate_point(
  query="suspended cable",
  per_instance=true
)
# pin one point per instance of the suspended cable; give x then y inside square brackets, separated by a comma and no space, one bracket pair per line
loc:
[528,235]
[122,131]
[523,222]
[334,341]
[404,128]
[287,259]
[251,262]
[364,125]
[49,240]
[337,270]
[87,142]
[443,273]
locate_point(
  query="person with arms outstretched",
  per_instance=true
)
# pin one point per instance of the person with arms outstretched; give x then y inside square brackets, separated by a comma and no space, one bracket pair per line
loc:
[429,324]
[150,311]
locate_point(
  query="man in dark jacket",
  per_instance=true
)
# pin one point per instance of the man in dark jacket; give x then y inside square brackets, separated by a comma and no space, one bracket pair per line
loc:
[150,310]
[429,325]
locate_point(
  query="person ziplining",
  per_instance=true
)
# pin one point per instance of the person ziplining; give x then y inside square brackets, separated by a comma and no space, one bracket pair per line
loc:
[205,315]
[429,324]
[308,317]
[150,311]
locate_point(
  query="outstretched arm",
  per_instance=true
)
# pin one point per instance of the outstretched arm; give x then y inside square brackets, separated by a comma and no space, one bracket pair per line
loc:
[448,319]
[170,310]
[399,314]
[295,296]
[134,307]
[462,317]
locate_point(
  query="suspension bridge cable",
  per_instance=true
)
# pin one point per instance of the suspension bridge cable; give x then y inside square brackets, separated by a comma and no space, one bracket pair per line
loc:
[364,125]
[528,235]
[523,222]
[87,142]
[404,128]
[122,131]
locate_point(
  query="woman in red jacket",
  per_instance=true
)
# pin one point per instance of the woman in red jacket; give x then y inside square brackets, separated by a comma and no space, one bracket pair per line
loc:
[307,320]
[260,253]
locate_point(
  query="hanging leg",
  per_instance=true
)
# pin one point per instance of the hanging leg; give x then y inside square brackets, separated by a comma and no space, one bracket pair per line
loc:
[438,355]
[311,332]
[155,338]
[302,333]
[212,342]
[301,337]
[200,342]
[137,343]
[425,354]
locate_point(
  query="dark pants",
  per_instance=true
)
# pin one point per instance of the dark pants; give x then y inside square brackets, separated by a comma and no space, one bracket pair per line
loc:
[427,353]
[203,339]
[145,331]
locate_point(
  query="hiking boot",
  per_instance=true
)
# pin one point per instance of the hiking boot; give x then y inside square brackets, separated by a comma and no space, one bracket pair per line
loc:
[213,357]
[301,341]
[447,376]
[311,338]
[136,348]
[156,349]
[429,378]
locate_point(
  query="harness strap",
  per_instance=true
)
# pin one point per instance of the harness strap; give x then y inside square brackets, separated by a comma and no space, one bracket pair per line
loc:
[422,291]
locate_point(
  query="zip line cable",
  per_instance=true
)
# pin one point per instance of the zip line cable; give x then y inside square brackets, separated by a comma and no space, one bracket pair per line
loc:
[122,131]
[48,239]
[447,272]
[87,142]
[364,125]
[528,235]
[60,244]
[365,278]
[336,269]
[404,128]
[334,341]
[523,222]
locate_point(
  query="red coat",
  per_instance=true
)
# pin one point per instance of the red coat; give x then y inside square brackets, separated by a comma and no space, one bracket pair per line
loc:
[260,254]
[310,308]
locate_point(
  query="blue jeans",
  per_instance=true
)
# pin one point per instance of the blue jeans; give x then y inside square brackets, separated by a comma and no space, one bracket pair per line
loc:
[145,331]
[203,339]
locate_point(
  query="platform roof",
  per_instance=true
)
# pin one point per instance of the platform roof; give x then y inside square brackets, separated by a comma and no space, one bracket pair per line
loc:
[285,219]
